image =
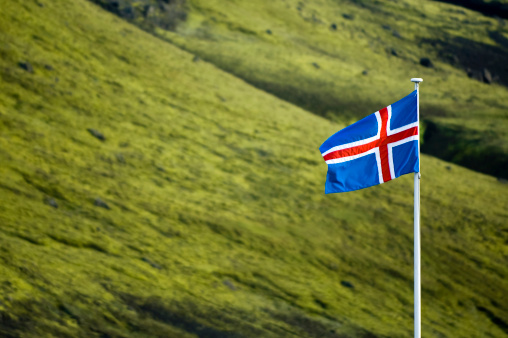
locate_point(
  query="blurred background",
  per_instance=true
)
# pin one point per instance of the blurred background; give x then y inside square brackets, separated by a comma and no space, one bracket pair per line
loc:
[160,173]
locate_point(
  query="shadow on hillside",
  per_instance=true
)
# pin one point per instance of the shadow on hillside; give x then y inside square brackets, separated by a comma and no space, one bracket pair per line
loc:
[317,98]
[457,145]
[475,57]
[464,147]
[491,8]
[148,14]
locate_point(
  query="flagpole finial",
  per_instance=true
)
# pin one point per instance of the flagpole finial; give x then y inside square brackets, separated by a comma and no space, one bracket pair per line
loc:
[417,80]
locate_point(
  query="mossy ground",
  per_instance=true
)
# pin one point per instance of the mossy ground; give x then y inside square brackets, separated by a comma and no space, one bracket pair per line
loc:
[345,59]
[217,223]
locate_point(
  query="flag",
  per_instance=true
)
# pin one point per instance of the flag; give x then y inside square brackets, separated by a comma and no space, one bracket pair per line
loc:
[374,150]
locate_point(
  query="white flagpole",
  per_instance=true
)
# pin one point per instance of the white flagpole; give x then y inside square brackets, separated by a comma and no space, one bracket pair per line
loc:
[417,280]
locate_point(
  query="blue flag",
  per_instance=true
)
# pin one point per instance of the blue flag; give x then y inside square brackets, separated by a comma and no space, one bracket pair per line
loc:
[374,150]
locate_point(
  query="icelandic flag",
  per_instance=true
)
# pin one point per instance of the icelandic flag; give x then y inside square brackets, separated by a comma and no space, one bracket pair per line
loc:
[374,150]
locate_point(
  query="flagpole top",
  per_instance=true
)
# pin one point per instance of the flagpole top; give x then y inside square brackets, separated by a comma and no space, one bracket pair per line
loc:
[416,79]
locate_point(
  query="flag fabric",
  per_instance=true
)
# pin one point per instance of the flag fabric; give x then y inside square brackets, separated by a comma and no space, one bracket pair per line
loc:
[374,150]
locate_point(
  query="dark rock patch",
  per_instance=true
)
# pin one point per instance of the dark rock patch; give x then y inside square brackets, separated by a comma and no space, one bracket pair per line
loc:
[474,57]
[100,203]
[154,265]
[51,202]
[322,304]
[120,158]
[97,134]
[365,72]
[26,66]
[269,32]
[65,308]
[160,168]
[229,284]
[482,75]
[333,26]
[426,62]
[347,284]
[394,52]
[474,74]
[316,65]
[487,76]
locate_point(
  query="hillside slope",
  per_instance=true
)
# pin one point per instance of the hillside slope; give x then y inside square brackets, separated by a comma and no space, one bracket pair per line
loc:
[146,194]
[341,59]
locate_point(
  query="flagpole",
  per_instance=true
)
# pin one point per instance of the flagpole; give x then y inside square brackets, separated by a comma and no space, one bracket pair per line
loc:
[416,248]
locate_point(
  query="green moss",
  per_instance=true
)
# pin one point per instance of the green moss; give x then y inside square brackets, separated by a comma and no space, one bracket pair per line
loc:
[217,222]
[365,62]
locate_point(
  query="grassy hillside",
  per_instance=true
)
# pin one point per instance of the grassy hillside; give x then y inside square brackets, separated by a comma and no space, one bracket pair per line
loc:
[345,59]
[144,193]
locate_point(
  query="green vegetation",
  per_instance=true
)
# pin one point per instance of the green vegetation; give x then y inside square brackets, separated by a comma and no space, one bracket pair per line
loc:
[345,59]
[145,192]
